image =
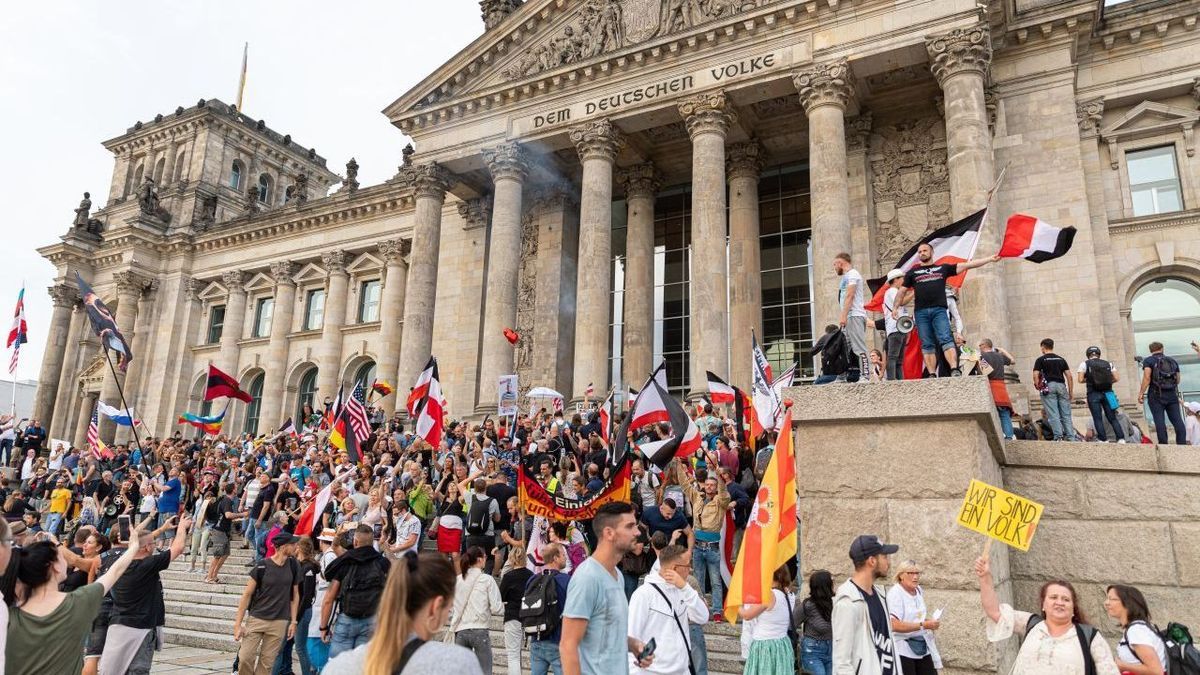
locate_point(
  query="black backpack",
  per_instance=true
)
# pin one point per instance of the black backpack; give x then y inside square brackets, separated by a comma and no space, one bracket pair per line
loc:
[1084,632]
[835,359]
[541,611]
[358,595]
[479,516]
[1182,656]
[1099,374]
[1165,374]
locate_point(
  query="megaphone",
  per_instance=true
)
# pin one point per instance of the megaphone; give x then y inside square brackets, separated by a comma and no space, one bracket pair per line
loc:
[905,324]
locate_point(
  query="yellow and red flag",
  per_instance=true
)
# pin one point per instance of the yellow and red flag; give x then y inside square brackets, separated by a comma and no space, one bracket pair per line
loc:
[770,538]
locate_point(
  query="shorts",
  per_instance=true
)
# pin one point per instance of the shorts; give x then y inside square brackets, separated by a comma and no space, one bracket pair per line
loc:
[94,645]
[219,542]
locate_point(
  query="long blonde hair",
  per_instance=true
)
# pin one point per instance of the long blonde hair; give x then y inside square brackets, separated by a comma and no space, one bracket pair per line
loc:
[412,583]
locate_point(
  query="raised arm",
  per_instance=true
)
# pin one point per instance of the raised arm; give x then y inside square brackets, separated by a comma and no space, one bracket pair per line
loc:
[987,589]
[109,578]
[977,262]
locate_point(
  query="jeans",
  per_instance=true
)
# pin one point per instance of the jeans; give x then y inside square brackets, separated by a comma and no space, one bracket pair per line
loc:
[544,658]
[1005,421]
[514,639]
[699,648]
[825,379]
[631,584]
[260,541]
[1161,411]
[933,327]
[6,447]
[816,656]
[895,355]
[349,633]
[1057,402]
[143,660]
[248,533]
[53,521]
[1098,405]
[706,564]
[478,641]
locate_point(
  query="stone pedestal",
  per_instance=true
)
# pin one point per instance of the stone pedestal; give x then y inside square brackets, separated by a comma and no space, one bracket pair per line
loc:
[866,464]
[708,117]
[825,92]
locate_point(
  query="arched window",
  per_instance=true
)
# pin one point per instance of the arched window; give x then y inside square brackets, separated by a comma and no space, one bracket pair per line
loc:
[308,395]
[366,375]
[264,188]
[159,167]
[235,175]
[1167,310]
[254,409]
[178,168]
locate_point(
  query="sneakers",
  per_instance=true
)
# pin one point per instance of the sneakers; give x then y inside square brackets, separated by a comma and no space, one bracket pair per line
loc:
[956,372]
[717,617]
[1120,441]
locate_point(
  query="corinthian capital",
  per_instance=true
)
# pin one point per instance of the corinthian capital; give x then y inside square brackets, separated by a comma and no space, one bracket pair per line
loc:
[426,180]
[334,261]
[825,84]
[962,50]
[129,282]
[1089,114]
[640,180]
[63,295]
[394,250]
[507,161]
[598,139]
[475,212]
[707,113]
[234,281]
[745,160]
[282,271]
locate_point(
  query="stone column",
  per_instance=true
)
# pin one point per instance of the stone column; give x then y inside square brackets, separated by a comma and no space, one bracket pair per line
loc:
[825,91]
[129,289]
[391,311]
[745,260]
[140,345]
[597,143]
[59,332]
[329,351]
[87,405]
[69,373]
[508,166]
[961,59]
[641,184]
[235,322]
[275,372]
[430,182]
[549,348]
[708,117]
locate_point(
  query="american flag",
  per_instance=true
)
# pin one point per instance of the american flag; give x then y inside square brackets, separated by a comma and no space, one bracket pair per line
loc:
[93,434]
[19,333]
[356,413]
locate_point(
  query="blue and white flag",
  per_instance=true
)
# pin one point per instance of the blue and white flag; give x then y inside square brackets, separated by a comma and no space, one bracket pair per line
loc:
[124,418]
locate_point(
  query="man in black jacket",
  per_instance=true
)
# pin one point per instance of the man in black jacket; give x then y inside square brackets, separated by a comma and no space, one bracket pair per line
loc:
[356,581]
[832,348]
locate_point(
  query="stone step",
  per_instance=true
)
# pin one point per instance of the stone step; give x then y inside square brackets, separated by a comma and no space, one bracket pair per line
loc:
[208,611]
[230,585]
[220,642]
[200,597]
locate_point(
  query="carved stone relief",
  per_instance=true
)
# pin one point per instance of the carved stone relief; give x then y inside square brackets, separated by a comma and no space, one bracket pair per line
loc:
[910,185]
[605,26]
[527,294]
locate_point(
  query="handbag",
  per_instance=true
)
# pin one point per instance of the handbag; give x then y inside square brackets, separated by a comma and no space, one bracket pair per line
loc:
[448,638]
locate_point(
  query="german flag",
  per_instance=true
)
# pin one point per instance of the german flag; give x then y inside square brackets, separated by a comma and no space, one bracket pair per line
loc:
[382,388]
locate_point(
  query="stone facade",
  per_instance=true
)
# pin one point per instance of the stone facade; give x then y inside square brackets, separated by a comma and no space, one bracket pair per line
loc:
[900,113]
[1113,514]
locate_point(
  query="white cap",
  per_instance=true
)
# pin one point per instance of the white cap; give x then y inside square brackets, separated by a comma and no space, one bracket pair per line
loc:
[895,274]
[1193,406]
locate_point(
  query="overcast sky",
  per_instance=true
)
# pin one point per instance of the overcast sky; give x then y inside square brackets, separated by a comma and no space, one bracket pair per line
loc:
[73,74]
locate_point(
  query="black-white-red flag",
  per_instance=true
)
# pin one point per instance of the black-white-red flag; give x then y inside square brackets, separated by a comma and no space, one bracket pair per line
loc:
[953,243]
[429,410]
[649,406]
[718,390]
[1034,239]
[684,437]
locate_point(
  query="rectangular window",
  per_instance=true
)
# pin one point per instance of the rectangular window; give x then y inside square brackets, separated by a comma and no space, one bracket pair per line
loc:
[1154,181]
[263,310]
[314,309]
[368,301]
[216,323]
[784,233]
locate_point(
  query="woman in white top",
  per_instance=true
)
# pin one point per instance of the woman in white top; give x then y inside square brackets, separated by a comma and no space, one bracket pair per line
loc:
[1141,651]
[1051,642]
[911,623]
[476,599]
[770,649]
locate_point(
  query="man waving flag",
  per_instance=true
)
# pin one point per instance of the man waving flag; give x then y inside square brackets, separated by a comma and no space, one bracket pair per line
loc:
[770,538]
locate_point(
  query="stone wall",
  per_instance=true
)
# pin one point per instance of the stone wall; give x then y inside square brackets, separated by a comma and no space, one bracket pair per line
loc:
[866,464]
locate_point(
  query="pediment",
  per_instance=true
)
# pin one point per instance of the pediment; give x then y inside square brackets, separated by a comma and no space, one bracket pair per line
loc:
[572,40]
[365,262]
[1149,118]
[260,282]
[213,291]
[310,272]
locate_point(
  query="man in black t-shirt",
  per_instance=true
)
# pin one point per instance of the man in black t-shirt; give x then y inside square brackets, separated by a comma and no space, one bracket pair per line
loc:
[861,603]
[1052,379]
[225,513]
[927,284]
[138,608]
[272,598]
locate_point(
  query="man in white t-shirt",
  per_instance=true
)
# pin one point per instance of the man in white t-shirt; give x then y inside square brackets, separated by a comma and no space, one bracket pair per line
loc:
[891,324]
[853,316]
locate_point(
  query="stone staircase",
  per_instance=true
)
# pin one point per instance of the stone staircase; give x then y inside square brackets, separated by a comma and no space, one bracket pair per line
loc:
[201,615]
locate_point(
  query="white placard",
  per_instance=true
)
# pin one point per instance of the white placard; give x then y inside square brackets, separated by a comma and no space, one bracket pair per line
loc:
[507,396]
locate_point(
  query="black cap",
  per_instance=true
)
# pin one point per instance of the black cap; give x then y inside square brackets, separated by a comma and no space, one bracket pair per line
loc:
[1093,350]
[867,545]
[283,538]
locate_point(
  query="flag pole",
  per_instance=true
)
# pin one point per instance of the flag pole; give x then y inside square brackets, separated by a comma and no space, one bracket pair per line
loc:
[121,393]
[988,205]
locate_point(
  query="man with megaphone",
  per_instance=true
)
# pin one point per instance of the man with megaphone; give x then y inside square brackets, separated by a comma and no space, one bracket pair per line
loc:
[896,325]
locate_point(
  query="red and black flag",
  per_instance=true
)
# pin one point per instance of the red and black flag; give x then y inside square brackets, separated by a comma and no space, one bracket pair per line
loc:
[222,384]
[104,324]
[718,390]
[1034,239]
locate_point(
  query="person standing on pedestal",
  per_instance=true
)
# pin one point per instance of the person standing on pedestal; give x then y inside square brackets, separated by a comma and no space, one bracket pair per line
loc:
[853,318]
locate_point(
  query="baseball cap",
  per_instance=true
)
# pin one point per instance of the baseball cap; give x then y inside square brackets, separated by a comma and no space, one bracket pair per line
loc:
[1093,350]
[1192,406]
[866,545]
[283,538]
[895,274]
[328,534]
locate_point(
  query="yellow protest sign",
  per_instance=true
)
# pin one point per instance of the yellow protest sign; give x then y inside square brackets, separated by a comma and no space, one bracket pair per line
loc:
[1003,516]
